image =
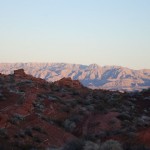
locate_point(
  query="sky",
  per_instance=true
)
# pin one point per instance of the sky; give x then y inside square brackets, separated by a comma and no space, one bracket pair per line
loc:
[105,32]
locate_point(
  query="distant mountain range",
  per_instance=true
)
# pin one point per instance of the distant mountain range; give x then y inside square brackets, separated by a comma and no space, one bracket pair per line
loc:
[92,76]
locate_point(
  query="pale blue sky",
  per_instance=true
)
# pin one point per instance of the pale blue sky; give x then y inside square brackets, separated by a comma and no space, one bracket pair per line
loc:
[106,32]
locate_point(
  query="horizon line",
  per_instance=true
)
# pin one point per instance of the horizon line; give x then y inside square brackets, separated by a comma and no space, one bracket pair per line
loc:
[73,64]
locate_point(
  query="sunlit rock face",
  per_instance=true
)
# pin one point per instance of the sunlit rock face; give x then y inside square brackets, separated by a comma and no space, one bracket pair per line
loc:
[92,76]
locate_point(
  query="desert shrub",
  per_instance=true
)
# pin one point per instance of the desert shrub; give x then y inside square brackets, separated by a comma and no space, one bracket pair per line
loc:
[19,117]
[130,146]
[101,106]
[111,145]
[53,148]
[5,146]
[21,100]
[1,97]
[16,118]
[75,92]
[89,137]
[21,134]
[73,103]
[38,129]
[27,147]
[39,106]
[55,88]
[87,102]
[28,131]
[13,120]
[124,116]
[11,79]
[69,125]
[90,108]
[3,133]
[37,139]
[66,108]
[76,118]
[91,146]
[74,145]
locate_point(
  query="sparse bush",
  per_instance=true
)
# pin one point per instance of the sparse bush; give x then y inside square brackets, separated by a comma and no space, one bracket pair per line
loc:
[100,106]
[129,146]
[74,145]
[27,147]
[124,116]
[11,78]
[21,100]
[38,129]
[90,108]
[19,117]
[94,137]
[75,92]
[111,145]
[28,132]
[53,148]
[73,103]
[37,139]
[69,125]
[16,118]
[3,133]
[89,137]
[91,146]
[22,134]
[1,96]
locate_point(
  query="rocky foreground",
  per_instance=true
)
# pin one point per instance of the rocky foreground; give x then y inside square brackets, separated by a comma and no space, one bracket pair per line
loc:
[65,115]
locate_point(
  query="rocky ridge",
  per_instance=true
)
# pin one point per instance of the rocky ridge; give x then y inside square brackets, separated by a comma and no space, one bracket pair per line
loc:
[92,76]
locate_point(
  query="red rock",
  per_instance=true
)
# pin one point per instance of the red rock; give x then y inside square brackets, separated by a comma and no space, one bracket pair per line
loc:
[144,136]
[29,103]
[68,82]
[19,72]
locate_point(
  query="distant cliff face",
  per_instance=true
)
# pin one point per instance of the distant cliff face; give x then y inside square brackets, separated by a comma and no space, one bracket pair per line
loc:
[92,76]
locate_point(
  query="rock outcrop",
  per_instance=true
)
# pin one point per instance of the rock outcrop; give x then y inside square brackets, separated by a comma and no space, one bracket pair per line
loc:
[19,72]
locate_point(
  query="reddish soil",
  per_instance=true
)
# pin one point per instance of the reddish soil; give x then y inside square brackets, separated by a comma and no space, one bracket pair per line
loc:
[33,112]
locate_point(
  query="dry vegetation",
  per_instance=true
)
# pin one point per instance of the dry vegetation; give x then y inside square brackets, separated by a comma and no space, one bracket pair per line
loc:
[64,115]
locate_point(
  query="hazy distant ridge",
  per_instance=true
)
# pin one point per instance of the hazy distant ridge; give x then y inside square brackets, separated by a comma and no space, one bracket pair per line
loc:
[93,76]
